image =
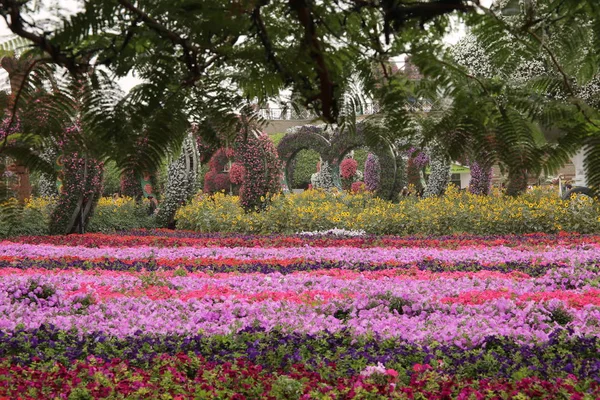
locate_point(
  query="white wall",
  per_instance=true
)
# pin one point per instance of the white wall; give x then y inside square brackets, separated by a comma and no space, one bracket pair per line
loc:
[465,178]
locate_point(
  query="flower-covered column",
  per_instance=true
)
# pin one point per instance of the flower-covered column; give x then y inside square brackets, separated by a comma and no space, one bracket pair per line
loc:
[47,183]
[481,179]
[262,168]
[439,175]
[372,172]
[181,181]
[81,188]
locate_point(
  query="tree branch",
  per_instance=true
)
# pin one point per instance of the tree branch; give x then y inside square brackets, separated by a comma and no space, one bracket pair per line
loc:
[190,51]
[12,8]
[329,107]
[266,42]
[553,58]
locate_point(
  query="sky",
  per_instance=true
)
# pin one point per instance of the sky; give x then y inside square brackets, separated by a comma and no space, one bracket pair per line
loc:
[51,10]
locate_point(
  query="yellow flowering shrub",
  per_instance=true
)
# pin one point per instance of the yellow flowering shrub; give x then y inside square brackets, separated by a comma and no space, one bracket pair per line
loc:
[110,215]
[539,210]
[119,214]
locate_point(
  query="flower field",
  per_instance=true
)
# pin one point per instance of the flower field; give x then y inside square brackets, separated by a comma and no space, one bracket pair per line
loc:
[177,315]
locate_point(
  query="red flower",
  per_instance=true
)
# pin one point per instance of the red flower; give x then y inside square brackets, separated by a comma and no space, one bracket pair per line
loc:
[358,187]
[348,168]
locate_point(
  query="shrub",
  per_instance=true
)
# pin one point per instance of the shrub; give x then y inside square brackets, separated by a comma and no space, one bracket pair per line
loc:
[237,173]
[120,214]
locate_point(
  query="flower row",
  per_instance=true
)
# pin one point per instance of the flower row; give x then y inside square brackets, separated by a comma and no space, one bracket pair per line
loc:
[191,377]
[167,238]
[495,357]
[374,255]
[267,266]
[424,308]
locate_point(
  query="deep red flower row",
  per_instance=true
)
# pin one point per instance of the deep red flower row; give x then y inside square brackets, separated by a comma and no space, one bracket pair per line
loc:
[161,238]
[190,377]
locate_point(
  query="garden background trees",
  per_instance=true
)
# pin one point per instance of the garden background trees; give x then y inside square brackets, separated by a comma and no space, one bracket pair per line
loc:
[319,50]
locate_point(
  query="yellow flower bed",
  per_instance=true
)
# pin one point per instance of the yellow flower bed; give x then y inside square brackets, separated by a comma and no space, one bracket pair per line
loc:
[540,210]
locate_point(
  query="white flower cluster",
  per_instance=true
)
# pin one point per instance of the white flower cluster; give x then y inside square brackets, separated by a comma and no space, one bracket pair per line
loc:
[322,179]
[439,176]
[181,183]
[590,92]
[326,130]
[471,55]
[335,232]
[47,182]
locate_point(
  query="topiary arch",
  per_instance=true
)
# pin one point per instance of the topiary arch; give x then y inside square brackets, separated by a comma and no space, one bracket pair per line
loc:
[391,172]
[306,138]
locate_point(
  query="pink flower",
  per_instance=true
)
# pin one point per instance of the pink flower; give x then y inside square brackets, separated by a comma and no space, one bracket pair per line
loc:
[237,173]
[421,367]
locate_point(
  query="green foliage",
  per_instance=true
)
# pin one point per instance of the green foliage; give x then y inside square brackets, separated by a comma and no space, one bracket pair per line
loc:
[111,179]
[276,138]
[313,49]
[304,165]
[31,219]
[111,215]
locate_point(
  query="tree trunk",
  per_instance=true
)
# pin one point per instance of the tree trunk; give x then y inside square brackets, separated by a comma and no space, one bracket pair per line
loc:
[517,182]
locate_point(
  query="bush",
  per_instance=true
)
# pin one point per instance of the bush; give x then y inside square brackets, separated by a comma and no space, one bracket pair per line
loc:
[348,168]
[110,215]
[120,214]
[456,212]
[33,219]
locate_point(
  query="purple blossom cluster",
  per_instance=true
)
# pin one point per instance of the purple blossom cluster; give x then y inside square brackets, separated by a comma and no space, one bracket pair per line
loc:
[481,179]
[372,172]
